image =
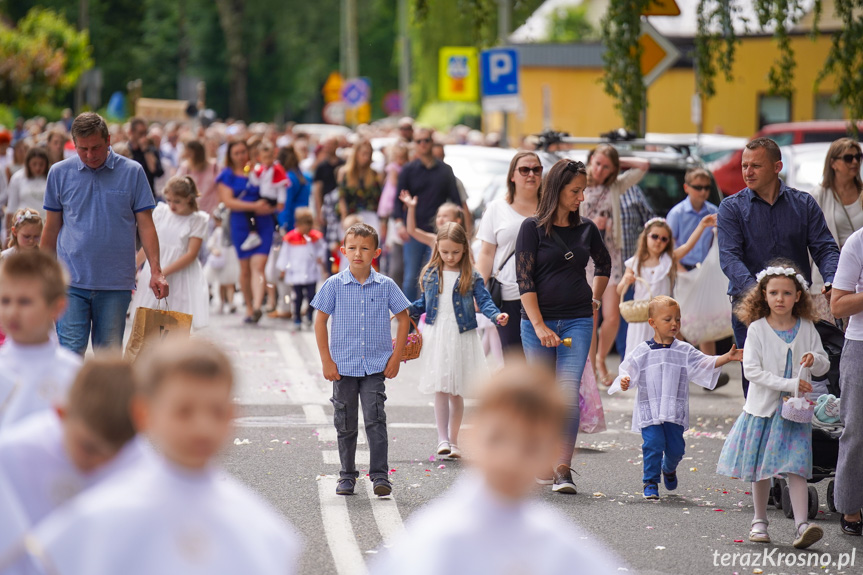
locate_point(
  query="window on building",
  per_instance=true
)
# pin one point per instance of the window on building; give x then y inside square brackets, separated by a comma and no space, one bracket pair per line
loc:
[773,110]
[825,109]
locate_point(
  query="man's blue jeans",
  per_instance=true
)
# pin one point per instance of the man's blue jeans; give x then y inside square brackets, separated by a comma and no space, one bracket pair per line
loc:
[568,365]
[416,255]
[100,312]
[665,438]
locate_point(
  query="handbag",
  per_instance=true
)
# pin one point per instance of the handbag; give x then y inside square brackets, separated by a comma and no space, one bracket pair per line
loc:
[799,409]
[494,286]
[636,310]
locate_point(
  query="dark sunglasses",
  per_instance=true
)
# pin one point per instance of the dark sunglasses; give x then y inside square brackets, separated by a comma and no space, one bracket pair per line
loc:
[577,167]
[524,170]
[848,158]
[699,188]
[423,141]
[658,238]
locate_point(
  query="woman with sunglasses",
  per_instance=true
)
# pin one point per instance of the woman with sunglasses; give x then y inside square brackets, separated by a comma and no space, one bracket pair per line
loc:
[551,256]
[498,232]
[839,197]
[602,204]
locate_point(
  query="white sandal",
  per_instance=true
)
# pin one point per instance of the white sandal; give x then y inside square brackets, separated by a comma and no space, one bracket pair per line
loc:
[808,536]
[759,535]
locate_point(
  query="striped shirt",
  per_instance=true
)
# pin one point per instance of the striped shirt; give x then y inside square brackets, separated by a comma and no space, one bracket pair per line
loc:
[360,337]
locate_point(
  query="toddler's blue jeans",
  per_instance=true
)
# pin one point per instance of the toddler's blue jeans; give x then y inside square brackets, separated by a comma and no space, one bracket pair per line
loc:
[665,438]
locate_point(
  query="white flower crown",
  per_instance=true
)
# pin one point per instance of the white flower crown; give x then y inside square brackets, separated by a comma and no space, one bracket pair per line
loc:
[652,221]
[777,271]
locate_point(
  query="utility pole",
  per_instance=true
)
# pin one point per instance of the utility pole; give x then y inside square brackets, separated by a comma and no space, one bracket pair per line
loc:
[504,18]
[404,57]
[351,39]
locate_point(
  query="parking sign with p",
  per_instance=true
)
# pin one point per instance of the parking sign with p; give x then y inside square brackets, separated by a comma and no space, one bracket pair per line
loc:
[499,71]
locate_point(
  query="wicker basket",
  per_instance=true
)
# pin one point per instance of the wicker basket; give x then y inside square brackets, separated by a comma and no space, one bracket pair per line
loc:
[414,344]
[635,311]
[795,413]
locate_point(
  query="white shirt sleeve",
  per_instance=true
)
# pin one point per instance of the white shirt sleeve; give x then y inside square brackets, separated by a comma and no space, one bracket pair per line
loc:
[488,224]
[14,191]
[199,225]
[850,265]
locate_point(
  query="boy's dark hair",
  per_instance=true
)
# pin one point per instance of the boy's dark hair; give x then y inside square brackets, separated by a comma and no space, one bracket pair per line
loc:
[100,398]
[530,392]
[186,357]
[34,264]
[362,231]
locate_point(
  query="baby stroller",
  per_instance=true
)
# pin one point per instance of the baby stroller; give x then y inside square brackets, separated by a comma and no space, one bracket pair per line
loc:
[825,449]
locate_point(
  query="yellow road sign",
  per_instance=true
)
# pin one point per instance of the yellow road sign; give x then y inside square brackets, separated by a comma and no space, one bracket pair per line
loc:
[458,74]
[662,8]
[658,54]
[332,91]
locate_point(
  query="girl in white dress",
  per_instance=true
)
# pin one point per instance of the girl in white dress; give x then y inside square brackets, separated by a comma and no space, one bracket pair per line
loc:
[222,269]
[452,357]
[181,229]
[655,262]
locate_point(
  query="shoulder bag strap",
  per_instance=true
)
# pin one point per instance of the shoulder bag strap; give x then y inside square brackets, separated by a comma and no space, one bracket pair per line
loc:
[500,267]
[567,253]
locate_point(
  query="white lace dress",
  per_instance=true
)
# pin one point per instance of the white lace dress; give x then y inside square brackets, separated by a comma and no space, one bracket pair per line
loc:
[452,362]
[660,284]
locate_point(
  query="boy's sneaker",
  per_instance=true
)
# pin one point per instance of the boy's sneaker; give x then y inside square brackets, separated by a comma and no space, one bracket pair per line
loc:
[651,491]
[563,482]
[346,486]
[670,480]
[382,486]
[252,241]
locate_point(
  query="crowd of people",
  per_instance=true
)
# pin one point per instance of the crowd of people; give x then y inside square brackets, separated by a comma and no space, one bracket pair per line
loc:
[138,214]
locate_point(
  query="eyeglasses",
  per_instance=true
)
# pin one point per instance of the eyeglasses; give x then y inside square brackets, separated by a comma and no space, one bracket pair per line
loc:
[524,170]
[424,141]
[577,167]
[658,238]
[849,158]
[699,188]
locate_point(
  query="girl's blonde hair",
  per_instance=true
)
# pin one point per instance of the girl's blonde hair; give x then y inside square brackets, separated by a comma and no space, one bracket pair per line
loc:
[642,253]
[354,173]
[459,213]
[754,306]
[184,187]
[23,217]
[455,233]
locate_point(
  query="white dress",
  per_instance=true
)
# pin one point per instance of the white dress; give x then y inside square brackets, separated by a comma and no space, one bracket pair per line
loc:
[188,288]
[660,284]
[452,362]
[223,266]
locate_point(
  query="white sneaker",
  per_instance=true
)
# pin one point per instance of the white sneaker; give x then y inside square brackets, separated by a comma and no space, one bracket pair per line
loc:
[252,241]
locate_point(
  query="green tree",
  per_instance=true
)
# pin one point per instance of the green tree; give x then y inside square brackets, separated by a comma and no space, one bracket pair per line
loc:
[845,60]
[43,58]
[623,81]
[570,24]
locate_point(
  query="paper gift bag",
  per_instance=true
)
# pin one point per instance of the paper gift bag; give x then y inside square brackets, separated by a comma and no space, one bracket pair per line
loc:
[155,325]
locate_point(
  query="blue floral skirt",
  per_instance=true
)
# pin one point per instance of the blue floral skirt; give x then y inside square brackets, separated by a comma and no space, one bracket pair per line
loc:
[761,447]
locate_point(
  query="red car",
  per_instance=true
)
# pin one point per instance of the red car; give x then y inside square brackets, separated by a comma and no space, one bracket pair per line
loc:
[728,172]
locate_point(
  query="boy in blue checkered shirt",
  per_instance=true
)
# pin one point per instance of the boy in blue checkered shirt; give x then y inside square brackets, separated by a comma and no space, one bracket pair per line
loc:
[358,354]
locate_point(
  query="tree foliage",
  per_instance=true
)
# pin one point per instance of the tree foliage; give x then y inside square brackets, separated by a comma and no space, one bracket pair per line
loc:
[845,60]
[623,80]
[41,59]
[570,24]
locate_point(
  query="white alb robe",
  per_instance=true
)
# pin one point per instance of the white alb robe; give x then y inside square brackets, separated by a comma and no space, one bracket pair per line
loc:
[167,520]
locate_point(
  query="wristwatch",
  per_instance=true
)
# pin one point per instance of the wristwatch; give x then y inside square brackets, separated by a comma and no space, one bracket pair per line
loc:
[597,304]
[828,286]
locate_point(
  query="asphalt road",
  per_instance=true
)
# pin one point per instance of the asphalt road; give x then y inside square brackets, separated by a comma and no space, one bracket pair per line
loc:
[285,450]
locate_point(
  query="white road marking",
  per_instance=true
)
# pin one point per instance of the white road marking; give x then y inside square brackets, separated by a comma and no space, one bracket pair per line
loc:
[305,387]
[339,532]
[315,414]
[329,434]
[386,514]
[331,457]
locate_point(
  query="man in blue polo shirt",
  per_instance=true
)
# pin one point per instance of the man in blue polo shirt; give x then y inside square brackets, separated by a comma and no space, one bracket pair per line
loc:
[766,221]
[95,203]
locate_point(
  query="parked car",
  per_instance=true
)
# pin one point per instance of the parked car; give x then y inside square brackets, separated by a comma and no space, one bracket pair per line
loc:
[708,147]
[478,167]
[728,172]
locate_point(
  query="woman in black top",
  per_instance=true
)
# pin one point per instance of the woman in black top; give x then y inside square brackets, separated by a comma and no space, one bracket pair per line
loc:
[552,252]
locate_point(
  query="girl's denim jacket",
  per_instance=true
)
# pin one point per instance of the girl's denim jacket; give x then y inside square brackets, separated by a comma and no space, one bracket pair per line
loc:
[465,312]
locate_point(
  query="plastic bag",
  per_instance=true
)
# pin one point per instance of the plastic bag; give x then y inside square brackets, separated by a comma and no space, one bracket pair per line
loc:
[704,304]
[590,404]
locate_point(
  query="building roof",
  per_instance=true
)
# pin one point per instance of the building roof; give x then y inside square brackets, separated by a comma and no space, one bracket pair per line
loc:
[536,28]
